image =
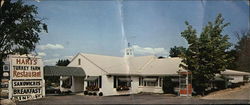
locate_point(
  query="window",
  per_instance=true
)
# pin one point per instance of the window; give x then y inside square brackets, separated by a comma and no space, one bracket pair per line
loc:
[93,83]
[122,83]
[150,82]
[79,61]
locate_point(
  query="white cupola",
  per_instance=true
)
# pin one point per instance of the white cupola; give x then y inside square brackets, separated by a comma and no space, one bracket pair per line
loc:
[128,51]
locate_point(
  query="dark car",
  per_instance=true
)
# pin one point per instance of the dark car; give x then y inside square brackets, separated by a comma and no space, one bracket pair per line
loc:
[52,90]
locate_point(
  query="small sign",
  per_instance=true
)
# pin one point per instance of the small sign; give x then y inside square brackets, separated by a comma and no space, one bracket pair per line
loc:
[4,85]
[26,91]
[34,83]
[27,97]
[6,74]
[6,67]
[5,80]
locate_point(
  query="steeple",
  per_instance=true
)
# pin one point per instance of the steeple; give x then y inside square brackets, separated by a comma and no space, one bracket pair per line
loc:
[128,51]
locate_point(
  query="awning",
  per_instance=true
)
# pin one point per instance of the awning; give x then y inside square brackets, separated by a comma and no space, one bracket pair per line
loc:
[150,79]
[91,78]
[125,79]
[63,71]
[64,78]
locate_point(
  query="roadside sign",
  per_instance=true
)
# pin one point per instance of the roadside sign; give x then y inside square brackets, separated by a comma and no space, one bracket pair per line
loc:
[25,74]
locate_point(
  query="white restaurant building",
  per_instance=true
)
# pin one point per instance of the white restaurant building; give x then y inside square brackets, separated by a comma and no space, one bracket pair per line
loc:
[124,75]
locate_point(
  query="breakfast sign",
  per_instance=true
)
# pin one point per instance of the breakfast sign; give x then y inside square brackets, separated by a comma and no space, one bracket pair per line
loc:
[26,77]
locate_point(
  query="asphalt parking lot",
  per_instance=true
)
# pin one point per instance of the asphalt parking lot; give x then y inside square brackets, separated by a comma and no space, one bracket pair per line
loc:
[131,99]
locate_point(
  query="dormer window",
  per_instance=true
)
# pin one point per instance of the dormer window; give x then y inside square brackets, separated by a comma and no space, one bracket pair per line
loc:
[79,61]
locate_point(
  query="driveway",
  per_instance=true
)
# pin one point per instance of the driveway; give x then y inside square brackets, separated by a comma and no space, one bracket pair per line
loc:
[132,99]
[240,93]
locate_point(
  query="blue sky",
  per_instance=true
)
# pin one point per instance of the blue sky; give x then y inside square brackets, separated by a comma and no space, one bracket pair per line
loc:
[152,27]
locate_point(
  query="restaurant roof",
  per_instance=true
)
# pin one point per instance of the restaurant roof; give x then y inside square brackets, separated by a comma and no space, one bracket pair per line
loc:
[63,71]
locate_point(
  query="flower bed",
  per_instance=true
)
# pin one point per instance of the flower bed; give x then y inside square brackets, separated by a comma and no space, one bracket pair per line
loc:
[122,88]
[92,88]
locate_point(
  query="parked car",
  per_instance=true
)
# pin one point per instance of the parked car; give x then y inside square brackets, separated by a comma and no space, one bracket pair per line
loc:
[52,90]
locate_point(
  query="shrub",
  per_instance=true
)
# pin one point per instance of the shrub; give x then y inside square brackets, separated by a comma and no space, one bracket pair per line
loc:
[100,94]
[168,86]
[85,92]
[90,93]
[94,94]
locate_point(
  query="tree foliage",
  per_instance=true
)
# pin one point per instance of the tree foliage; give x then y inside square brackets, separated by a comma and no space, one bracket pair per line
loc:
[206,54]
[62,62]
[19,28]
[243,51]
[168,86]
[177,51]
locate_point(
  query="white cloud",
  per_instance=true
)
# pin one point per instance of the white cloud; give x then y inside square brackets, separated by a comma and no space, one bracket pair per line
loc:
[149,51]
[51,61]
[69,57]
[50,46]
[41,54]
[56,55]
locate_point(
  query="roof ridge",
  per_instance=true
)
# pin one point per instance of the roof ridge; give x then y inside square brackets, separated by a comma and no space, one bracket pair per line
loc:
[93,63]
[102,55]
[147,63]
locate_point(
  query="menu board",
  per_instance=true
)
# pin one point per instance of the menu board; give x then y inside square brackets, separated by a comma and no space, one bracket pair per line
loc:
[26,78]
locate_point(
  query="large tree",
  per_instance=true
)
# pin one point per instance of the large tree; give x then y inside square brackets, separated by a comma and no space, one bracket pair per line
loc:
[19,28]
[206,54]
[177,51]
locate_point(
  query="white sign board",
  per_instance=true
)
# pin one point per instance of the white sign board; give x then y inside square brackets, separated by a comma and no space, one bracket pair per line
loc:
[27,97]
[35,83]
[26,77]
[26,68]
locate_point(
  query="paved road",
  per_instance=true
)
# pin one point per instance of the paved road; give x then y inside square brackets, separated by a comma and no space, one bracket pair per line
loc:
[132,99]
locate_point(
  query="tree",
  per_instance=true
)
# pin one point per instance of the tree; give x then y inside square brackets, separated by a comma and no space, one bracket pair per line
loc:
[243,51]
[168,86]
[19,28]
[206,55]
[232,56]
[177,51]
[62,62]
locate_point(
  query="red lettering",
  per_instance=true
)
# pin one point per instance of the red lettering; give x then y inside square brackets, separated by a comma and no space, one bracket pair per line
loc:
[35,61]
[18,61]
[27,61]
[23,61]
[26,74]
